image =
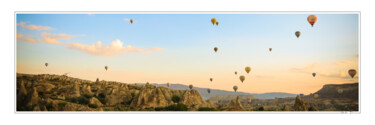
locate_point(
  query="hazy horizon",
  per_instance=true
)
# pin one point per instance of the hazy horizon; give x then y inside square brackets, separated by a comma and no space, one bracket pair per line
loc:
[178,48]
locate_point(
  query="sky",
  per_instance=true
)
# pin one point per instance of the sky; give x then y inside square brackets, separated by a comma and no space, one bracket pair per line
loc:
[179,48]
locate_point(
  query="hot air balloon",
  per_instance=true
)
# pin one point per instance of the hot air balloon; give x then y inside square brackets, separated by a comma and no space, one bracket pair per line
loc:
[131,21]
[247,69]
[340,91]
[352,72]
[211,79]
[235,88]
[209,91]
[168,84]
[46,64]
[235,73]
[106,68]
[213,21]
[242,78]
[270,49]
[298,33]
[191,87]
[314,74]
[312,19]
[316,95]
[217,23]
[215,49]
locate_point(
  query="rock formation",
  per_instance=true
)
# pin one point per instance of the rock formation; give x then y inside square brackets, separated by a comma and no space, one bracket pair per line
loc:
[62,93]
[299,105]
[235,105]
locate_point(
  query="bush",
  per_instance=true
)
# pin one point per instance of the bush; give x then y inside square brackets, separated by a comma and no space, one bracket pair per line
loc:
[261,108]
[93,106]
[61,104]
[206,109]
[174,107]
[177,107]
[80,100]
[101,98]
[175,99]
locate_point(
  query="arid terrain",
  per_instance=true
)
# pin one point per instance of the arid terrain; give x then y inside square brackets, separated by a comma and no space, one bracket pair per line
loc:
[62,93]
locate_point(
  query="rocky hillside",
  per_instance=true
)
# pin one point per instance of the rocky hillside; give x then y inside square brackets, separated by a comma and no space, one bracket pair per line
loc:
[342,91]
[61,93]
[215,92]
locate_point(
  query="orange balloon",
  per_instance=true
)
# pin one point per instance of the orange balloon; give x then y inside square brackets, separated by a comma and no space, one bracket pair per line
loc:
[312,19]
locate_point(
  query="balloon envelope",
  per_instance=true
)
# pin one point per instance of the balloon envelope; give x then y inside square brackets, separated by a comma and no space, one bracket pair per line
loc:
[242,78]
[217,23]
[46,64]
[340,91]
[213,21]
[211,79]
[352,72]
[106,68]
[168,84]
[131,21]
[191,86]
[314,74]
[247,69]
[215,49]
[209,91]
[298,33]
[235,88]
[316,95]
[235,73]
[270,49]
[312,19]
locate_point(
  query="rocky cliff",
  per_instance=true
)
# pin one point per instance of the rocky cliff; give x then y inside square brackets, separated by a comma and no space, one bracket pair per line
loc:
[61,93]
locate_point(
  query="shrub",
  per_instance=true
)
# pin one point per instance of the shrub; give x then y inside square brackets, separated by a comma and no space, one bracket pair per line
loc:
[261,108]
[93,106]
[101,98]
[206,109]
[177,107]
[175,99]
[80,100]
[61,104]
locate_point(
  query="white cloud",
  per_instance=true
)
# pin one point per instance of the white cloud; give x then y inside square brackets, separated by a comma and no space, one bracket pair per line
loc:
[115,48]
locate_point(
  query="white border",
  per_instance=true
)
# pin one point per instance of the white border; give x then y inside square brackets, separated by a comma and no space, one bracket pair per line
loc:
[186,12]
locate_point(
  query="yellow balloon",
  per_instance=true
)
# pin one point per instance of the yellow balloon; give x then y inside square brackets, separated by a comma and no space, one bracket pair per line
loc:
[213,21]
[247,69]
[316,95]
[242,78]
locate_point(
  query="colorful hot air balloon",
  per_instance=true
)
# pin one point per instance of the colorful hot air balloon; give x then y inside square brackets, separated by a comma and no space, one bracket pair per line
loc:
[352,72]
[316,95]
[168,84]
[131,21]
[106,68]
[191,87]
[209,90]
[235,73]
[247,69]
[312,19]
[235,88]
[340,91]
[242,78]
[213,21]
[270,49]
[211,79]
[217,23]
[313,74]
[215,49]
[46,64]
[298,33]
